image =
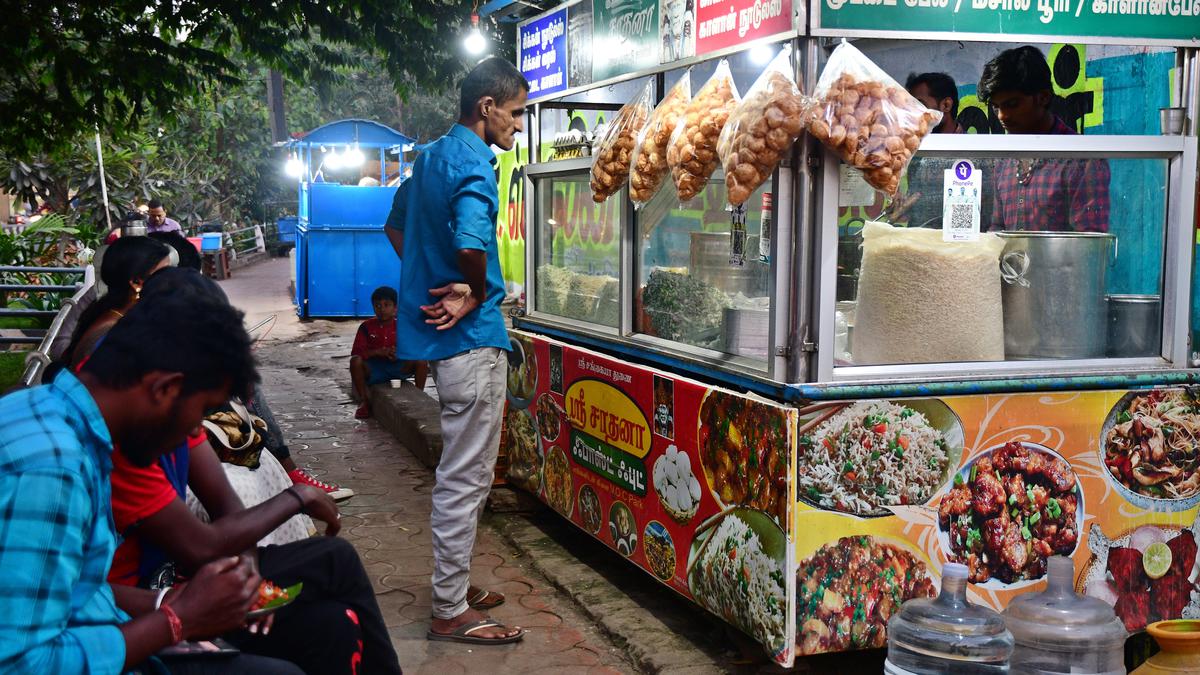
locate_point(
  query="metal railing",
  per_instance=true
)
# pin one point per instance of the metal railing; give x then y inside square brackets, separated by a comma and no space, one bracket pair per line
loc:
[247,240]
[37,360]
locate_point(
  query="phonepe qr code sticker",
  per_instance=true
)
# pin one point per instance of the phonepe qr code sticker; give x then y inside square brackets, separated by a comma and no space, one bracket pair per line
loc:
[961,202]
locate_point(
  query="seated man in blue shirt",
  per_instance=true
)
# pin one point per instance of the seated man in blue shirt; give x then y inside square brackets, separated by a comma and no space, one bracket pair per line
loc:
[443,227]
[148,384]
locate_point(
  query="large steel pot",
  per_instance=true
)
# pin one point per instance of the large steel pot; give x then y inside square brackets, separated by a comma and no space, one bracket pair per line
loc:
[1054,303]
[709,262]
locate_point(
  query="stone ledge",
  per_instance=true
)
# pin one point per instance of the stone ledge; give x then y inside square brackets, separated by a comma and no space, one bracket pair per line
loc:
[412,417]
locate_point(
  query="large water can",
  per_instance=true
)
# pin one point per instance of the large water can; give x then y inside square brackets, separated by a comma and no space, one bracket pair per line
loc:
[1054,304]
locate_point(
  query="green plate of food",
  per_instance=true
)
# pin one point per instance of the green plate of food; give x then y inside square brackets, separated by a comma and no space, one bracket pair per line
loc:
[271,598]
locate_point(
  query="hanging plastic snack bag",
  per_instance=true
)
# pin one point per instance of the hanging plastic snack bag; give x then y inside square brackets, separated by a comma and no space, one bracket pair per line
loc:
[613,152]
[650,156]
[867,118]
[692,153]
[761,129]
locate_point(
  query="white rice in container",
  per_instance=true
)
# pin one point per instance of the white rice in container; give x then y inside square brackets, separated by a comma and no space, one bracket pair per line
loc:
[847,443]
[924,300]
[737,580]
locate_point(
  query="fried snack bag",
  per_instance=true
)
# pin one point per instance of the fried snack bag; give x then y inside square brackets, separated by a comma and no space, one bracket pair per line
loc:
[761,129]
[650,155]
[867,118]
[613,152]
[692,153]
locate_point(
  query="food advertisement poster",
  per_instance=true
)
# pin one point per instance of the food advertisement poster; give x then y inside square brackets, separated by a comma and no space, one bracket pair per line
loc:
[888,491]
[542,53]
[687,481]
[727,23]
[625,37]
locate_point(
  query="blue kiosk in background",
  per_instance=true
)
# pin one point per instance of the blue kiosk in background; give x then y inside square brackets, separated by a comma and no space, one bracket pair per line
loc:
[342,253]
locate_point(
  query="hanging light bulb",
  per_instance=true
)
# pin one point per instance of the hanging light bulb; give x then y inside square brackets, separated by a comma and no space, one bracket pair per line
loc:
[333,161]
[475,43]
[353,157]
[294,166]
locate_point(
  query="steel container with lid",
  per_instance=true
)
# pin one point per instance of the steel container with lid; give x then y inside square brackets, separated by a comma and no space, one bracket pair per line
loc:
[1058,631]
[1134,325]
[1054,306]
[947,635]
[708,261]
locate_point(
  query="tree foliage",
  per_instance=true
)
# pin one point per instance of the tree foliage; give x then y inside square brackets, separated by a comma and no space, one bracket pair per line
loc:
[68,66]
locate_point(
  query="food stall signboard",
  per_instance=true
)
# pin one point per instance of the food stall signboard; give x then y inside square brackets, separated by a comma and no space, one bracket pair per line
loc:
[625,37]
[727,23]
[688,481]
[542,53]
[1136,21]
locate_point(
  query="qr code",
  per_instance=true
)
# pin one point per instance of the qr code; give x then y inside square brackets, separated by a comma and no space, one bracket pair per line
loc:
[961,216]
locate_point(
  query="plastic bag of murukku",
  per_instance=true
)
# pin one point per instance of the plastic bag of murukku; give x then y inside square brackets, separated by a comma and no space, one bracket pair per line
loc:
[867,118]
[613,152]
[650,155]
[692,153]
[762,129]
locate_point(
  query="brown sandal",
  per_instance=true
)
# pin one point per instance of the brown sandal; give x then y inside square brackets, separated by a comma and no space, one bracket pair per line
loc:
[463,634]
[485,600]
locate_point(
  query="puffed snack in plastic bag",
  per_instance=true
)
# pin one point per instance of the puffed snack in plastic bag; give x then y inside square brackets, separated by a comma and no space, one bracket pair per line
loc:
[613,152]
[692,154]
[867,118]
[650,156]
[761,129]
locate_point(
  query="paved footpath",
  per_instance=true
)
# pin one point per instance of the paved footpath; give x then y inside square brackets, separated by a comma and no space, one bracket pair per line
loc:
[588,611]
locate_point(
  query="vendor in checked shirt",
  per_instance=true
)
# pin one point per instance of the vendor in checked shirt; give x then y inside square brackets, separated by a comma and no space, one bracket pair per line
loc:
[1037,194]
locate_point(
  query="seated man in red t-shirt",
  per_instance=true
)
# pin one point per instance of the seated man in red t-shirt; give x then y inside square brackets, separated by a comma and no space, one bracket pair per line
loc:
[373,356]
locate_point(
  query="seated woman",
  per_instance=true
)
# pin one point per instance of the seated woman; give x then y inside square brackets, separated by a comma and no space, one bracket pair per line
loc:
[161,535]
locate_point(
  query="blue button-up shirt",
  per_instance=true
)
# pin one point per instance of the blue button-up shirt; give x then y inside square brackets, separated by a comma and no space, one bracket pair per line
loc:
[57,612]
[450,203]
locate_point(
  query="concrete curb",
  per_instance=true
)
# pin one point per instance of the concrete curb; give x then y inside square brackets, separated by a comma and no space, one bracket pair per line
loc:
[412,417]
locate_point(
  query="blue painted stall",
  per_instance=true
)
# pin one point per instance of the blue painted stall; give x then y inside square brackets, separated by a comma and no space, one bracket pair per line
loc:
[342,253]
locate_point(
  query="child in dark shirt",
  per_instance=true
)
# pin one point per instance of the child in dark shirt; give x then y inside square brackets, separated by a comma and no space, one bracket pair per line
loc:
[373,357]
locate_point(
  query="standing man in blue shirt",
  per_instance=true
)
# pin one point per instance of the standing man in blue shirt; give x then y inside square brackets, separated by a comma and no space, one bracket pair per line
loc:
[443,227]
[158,370]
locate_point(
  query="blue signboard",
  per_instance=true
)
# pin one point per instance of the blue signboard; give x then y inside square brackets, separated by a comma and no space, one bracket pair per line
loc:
[542,47]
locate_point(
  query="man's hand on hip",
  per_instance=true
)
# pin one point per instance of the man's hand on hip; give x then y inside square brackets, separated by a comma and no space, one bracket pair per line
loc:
[456,301]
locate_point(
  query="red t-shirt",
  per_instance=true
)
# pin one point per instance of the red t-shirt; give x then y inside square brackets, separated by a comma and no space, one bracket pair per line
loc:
[374,334]
[137,493]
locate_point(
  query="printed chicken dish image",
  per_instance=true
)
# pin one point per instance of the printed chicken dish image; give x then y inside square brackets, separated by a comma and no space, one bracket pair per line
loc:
[1147,575]
[1014,507]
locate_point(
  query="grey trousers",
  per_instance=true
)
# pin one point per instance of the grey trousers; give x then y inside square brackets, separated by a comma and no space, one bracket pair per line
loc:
[471,389]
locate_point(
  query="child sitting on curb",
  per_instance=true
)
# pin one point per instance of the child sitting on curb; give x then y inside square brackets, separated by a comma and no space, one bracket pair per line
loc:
[373,356]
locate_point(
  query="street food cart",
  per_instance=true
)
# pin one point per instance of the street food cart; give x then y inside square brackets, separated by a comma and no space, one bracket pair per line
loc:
[795,415]
[342,253]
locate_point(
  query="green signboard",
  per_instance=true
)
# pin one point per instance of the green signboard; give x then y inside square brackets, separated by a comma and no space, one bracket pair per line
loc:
[619,467]
[1135,21]
[625,37]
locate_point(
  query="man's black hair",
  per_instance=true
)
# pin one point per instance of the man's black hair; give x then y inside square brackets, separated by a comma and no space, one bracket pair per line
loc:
[189,257]
[494,77]
[1023,69]
[183,324]
[384,293]
[940,85]
[154,204]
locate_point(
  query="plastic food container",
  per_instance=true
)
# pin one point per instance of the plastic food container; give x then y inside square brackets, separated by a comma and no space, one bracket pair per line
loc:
[210,242]
[1057,631]
[1180,642]
[947,635]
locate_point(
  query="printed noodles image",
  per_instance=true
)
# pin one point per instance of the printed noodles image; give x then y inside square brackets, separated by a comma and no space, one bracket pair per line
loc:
[660,550]
[549,418]
[1012,508]
[870,455]
[737,573]
[847,591]
[743,445]
[1153,445]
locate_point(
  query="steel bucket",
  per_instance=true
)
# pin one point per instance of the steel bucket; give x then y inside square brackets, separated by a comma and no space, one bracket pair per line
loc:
[709,262]
[1053,292]
[1134,325]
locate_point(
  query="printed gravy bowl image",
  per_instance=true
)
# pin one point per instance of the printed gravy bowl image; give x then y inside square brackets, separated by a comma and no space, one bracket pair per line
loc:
[742,444]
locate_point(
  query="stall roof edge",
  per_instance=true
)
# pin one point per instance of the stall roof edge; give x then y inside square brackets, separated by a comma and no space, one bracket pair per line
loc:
[367,133]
